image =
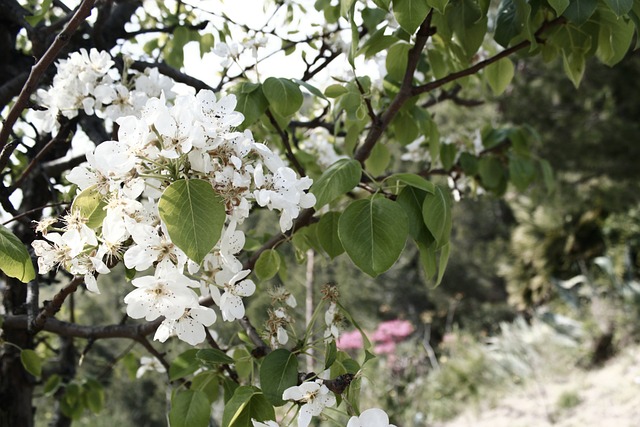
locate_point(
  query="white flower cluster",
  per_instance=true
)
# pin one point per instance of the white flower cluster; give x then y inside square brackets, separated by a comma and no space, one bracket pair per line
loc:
[87,81]
[193,137]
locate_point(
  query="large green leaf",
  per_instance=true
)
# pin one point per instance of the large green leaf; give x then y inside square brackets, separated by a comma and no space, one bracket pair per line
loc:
[410,13]
[499,75]
[284,96]
[614,37]
[14,258]
[436,213]
[190,408]
[513,19]
[213,356]
[194,215]
[579,11]
[620,7]
[278,372]
[31,362]
[373,232]
[342,176]
[267,265]
[328,234]
[251,103]
[91,205]
[396,61]
[412,180]
[209,383]
[246,403]
[185,364]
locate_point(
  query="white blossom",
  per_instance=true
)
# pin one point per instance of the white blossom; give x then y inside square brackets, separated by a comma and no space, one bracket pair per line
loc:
[315,395]
[372,417]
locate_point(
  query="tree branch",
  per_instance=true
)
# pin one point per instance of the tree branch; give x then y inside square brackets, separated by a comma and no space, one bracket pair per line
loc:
[377,128]
[287,145]
[417,90]
[176,75]
[37,71]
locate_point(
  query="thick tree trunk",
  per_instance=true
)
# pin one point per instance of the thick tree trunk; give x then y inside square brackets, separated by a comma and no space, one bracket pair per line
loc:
[16,384]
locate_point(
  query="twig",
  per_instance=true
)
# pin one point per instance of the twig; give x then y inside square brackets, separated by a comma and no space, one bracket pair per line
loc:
[37,71]
[53,307]
[417,90]
[287,145]
[405,92]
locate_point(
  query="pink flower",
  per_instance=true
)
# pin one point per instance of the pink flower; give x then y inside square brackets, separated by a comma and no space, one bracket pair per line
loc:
[350,340]
[393,330]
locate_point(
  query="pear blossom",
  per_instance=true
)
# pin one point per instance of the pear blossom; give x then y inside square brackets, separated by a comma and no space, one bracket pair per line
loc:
[315,395]
[189,327]
[372,417]
[149,364]
[166,296]
[152,247]
[59,249]
[230,302]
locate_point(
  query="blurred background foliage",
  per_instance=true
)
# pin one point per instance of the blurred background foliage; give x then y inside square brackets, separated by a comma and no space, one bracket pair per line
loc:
[536,282]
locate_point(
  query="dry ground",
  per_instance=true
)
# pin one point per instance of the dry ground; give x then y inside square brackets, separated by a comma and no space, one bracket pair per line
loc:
[604,397]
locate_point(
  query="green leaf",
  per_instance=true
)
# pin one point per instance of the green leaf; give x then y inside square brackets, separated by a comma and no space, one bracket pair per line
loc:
[373,232]
[491,172]
[328,234]
[278,372]
[499,75]
[513,18]
[213,356]
[175,57]
[620,7]
[52,385]
[614,37]
[428,258]
[206,43]
[31,362]
[579,11]
[412,180]
[14,258]
[35,19]
[410,13]
[284,96]
[91,205]
[448,155]
[439,5]
[247,403]
[342,176]
[443,261]
[411,200]
[335,90]
[183,365]
[94,394]
[251,103]
[267,265]
[243,361]
[436,213]
[378,160]
[522,171]
[330,354]
[194,215]
[312,89]
[190,408]
[559,5]
[396,61]
[547,175]
[207,382]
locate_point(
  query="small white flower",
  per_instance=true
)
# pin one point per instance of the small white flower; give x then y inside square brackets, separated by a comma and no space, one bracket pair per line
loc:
[235,288]
[167,296]
[316,397]
[189,327]
[372,417]
[149,364]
